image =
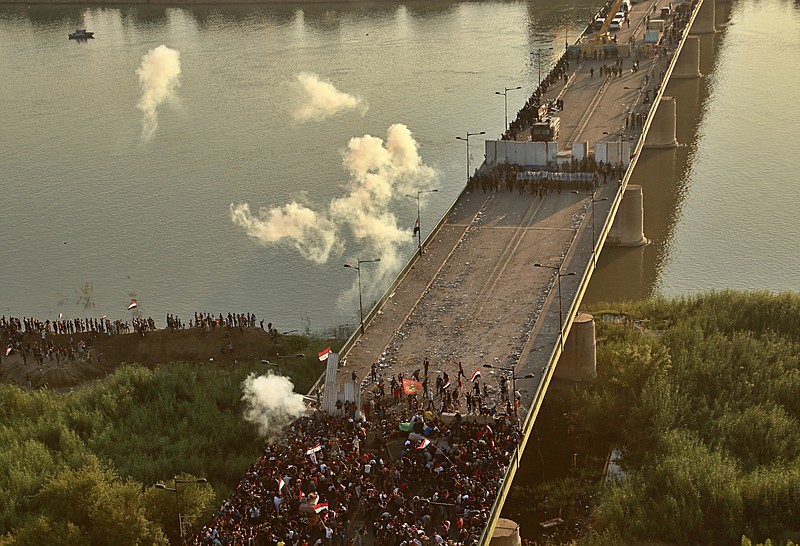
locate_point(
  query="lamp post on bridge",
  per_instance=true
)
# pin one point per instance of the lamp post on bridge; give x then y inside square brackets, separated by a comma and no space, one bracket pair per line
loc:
[357,267]
[512,371]
[177,499]
[505,101]
[466,139]
[560,311]
[538,54]
[418,226]
[594,243]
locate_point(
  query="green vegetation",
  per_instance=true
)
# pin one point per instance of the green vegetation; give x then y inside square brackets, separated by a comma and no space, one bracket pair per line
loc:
[702,396]
[80,467]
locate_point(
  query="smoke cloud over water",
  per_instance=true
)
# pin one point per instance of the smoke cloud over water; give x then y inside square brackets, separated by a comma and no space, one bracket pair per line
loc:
[271,402]
[320,100]
[158,76]
[381,172]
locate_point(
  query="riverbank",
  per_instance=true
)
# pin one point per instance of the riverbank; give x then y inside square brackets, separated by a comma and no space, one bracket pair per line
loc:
[103,354]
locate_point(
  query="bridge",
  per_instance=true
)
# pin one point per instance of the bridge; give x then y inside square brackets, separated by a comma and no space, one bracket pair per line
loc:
[499,280]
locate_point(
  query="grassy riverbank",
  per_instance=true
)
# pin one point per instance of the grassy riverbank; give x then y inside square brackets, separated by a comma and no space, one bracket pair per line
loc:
[80,467]
[702,397]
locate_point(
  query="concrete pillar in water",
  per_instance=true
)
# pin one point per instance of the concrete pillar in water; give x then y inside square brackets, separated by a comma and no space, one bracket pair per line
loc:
[506,533]
[578,360]
[662,129]
[688,65]
[704,22]
[628,227]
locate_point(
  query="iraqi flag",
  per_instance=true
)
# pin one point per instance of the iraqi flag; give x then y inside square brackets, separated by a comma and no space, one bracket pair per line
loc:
[424,443]
[133,305]
[411,387]
[281,483]
[446,385]
[476,375]
[104,316]
[321,507]
[314,449]
[416,226]
[323,355]
[8,350]
[60,316]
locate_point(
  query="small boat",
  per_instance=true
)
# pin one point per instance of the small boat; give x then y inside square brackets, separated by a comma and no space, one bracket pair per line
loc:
[81,34]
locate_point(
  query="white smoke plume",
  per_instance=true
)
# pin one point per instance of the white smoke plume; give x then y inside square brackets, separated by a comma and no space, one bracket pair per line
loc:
[320,100]
[271,402]
[158,76]
[380,173]
[311,233]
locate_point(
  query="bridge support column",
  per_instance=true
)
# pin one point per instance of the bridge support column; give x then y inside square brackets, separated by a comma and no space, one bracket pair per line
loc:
[628,227]
[578,361]
[704,22]
[662,129]
[688,65]
[506,533]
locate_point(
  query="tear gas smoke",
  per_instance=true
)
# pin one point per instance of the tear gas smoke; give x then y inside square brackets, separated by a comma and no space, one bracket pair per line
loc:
[271,402]
[311,233]
[158,76]
[379,172]
[320,100]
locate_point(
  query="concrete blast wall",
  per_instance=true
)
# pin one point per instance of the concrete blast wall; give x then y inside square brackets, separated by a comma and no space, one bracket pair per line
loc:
[531,154]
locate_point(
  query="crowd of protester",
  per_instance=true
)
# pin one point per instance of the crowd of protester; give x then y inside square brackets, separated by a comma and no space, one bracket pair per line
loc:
[397,472]
[54,341]
[321,483]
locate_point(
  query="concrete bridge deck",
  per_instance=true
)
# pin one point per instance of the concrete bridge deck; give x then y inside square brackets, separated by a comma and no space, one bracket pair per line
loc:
[474,296]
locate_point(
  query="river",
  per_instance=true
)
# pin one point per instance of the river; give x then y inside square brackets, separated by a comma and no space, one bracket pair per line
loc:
[97,214]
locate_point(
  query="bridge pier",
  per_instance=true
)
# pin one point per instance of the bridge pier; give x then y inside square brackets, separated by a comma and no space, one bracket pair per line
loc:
[578,360]
[628,227]
[506,533]
[688,64]
[662,129]
[704,21]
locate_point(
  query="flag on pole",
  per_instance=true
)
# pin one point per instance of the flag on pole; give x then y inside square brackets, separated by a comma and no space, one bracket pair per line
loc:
[416,226]
[476,375]
[323,355]
[321,507]
[424,443]
[314,449]
[411,387]
[8,350]
[446,385]
[133,305]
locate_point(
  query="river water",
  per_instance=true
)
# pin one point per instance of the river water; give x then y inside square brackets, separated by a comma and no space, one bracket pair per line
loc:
[96,212]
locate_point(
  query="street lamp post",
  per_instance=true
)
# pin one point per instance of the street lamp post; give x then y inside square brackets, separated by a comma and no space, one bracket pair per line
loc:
[512,371]
[560,310]
[538,54]
[505,101]
[466,139]
[357,267]
[594,243]
[418,226]
[177,499]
